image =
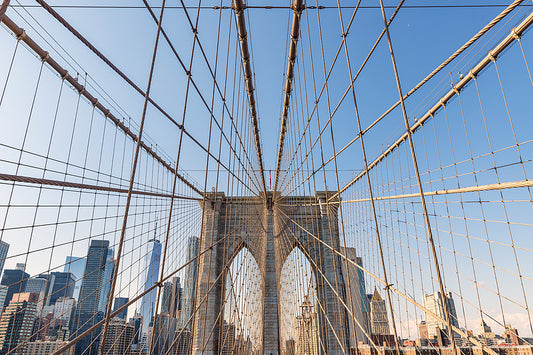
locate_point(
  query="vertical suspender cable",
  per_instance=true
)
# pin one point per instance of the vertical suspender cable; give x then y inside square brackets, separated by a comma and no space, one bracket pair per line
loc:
[420,189]
[132,180]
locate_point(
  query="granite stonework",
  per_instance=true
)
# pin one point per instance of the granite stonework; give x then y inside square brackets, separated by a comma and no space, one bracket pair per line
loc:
[262,225]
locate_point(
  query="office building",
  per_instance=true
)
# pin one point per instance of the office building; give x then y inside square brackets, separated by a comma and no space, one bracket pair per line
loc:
[4,248]
[76,266]
[379,321]
[36,285]
[106,282]
[189,287]
[306,330]
[43,347]
[183,341]
[64,309]
[15,280]
[39,285]
[150,275]
[119,302]
[16,323]
[228,334]
[60,284]
[41,327]
[164,328]
[171,301]
[356,299]
[136,322]
[119,339]
[510,334]
[87,313]
[3,295]
[433,303]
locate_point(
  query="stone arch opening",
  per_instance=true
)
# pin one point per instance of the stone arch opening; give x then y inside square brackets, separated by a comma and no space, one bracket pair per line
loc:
[298,288]
[241,329]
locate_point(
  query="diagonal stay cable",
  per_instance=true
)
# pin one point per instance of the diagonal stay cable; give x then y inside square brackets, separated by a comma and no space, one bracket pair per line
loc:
[464,47]
[215,82]
[71,343]
[99,54]
[392,288]
[489,58]
[132,180]
[45,56]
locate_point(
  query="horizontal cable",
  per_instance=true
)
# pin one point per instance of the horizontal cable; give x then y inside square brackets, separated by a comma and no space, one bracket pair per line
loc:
[33,180]
[488,187]
[269,7]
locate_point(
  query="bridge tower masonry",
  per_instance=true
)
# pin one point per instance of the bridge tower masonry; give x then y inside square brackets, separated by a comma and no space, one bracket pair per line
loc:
[259,224]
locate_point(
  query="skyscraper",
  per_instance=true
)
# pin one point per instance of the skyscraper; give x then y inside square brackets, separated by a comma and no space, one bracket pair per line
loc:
[433,303]
[136,322]
[60,284]
[228,334]
[3,294]
[357,301]
[16,323]
[151,275]
[379,320]
[15,280]
[106,281]
[64,308]
[171,302]
[189,288]
[38,285]
[164,332]
[119,340]
[306,330]
[87,313]
[119,302]
[76,266]
[4,248]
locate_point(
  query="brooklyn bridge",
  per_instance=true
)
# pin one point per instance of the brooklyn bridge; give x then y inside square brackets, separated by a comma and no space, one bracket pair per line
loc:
[281,177]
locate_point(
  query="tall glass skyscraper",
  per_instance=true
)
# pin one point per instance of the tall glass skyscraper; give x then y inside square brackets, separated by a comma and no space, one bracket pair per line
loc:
[60,284]
[152,259]
[171,300]
[76,266]
[106,281]
[357,301]
[189,287]
[119,302]
[87,311]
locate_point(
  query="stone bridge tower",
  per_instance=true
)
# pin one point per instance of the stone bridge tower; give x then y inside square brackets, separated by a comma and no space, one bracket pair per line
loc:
[266,230]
